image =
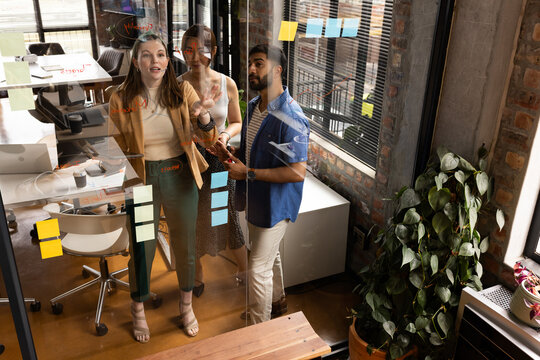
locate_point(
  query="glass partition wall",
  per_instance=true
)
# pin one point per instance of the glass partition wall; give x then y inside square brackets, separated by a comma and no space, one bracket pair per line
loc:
[205,210]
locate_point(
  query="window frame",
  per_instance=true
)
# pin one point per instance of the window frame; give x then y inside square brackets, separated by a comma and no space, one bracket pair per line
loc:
[41,30]
[369,159]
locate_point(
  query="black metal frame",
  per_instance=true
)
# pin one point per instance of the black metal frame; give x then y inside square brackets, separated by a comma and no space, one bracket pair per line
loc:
[91,26]
[534,234]
[435,74]
[14,290]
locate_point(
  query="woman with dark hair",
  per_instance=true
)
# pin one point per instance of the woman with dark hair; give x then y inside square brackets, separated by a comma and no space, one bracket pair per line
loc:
[199,48]
[160,115]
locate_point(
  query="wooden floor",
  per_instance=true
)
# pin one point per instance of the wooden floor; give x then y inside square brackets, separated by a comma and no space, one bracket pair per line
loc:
[71,335]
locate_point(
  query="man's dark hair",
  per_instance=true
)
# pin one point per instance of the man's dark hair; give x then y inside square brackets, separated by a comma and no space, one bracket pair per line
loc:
[272,53]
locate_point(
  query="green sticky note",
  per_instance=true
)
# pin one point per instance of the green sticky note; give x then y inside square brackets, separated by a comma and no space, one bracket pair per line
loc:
[12,44]
[17,72]
[144,232]
[144,213]
[142,194]
[21,99]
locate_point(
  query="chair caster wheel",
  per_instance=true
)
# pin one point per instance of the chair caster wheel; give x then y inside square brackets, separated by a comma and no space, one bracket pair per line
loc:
[85,274]
[35,306]
[57,308]
[2,348]
[33,234]
[101,329]
[157,301]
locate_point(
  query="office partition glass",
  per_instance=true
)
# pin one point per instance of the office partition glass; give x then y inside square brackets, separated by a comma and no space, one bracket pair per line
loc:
[59,13]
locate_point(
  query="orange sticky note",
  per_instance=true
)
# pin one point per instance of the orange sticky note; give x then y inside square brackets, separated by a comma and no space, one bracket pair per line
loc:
[287,32]
[51,248]
[48,229]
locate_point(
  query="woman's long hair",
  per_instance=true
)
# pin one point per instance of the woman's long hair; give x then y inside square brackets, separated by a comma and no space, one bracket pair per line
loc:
[169,93]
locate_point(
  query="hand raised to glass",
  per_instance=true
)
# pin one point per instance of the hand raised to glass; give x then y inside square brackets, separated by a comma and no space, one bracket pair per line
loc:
[207,101]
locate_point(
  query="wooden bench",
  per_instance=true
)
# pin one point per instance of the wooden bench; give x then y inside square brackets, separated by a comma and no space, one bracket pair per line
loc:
[288,337]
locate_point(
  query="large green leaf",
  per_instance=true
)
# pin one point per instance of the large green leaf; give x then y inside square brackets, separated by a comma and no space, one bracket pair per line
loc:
[422,297]
[411,217]
[449,162]
[440,222]
[421,231]
[435,339]
[396,351]
[440,180]
[422,182]
[484,245]
[438,198]
[466,249]
[421,322]
[410,328]
[462,219]
[473,217]
[479,269]
[450,275]
[443,293]
[403,340]
[500,219]
[395,286]
[460,176]
[482,164]
[482,182]
[434,264]
[441,151]
[408,255]
[370,299]
[465,165]
[390,328]
[454,240]
[468,196]
[402,232]
[416,279]
[408,199]
[450,210]
[477,284]
[445,322]
[377,315]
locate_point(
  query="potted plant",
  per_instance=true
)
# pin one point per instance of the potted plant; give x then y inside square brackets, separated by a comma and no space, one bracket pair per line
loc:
[428,251]
[525,303]
[111,31]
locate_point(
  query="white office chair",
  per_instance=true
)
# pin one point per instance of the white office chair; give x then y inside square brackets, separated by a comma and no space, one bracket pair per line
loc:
[95,236]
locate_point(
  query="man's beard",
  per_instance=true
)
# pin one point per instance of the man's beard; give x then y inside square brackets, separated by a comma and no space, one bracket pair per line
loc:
[261,84]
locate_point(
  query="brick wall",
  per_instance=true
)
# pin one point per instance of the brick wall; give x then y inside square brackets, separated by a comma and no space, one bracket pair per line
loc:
[514,140]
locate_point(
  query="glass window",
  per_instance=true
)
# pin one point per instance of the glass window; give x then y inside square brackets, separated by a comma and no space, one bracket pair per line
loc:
[342,95]
[20,16]
[63,13]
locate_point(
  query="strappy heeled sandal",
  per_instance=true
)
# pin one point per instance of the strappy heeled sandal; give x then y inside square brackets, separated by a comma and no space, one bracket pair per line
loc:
[138,330]
[191,325]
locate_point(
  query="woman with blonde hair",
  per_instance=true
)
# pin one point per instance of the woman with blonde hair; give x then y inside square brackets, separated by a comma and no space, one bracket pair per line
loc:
[162,117]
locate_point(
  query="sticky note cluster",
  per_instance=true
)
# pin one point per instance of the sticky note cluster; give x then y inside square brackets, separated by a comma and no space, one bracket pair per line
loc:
[12,44]
[49,232]
[219,198]
[314,27]
[143,212]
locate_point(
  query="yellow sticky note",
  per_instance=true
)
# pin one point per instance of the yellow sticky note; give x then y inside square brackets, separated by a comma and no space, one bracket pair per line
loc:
[144,213]
[50,248]
[17,72]
[144,232]
[12,44]
[48,229]
[287,32]
[142,194]
[21,99]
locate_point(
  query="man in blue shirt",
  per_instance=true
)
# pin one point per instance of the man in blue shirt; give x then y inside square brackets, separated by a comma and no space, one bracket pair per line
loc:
[274,146]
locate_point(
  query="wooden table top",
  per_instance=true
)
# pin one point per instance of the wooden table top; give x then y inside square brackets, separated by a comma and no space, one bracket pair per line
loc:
[285,338]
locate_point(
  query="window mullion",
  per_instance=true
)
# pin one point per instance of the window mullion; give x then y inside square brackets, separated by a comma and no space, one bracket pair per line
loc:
[39,22]
[329,72]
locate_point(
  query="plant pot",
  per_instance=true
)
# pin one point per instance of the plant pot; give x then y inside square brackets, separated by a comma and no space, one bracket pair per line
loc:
[518,306]
[358,348]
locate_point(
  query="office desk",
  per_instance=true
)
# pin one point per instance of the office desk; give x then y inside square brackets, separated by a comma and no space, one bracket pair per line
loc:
[91,72]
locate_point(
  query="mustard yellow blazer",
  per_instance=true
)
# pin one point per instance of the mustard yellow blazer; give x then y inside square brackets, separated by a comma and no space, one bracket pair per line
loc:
[131,135]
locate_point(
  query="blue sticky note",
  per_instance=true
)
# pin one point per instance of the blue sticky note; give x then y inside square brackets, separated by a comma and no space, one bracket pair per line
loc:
[350,27]
[219,217]
[219,199]
[219,179]
[314,28]
[333,28]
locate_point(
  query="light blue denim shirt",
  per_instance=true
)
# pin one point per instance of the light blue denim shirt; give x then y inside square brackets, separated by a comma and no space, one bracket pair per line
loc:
[282,139]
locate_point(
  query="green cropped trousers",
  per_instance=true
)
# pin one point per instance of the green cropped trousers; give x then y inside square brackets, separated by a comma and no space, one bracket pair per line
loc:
[174,188]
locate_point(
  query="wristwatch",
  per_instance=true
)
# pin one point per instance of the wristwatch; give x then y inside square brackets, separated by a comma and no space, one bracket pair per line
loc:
[251,174]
